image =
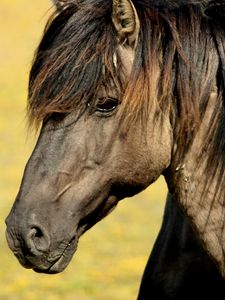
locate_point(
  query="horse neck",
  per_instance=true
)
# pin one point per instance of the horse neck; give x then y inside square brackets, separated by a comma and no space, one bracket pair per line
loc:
[198,195]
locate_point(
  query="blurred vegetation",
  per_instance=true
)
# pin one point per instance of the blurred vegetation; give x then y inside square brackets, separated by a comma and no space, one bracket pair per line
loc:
[111,257]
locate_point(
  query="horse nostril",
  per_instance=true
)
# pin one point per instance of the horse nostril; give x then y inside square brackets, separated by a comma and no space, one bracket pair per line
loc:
[36,233]
[37,240]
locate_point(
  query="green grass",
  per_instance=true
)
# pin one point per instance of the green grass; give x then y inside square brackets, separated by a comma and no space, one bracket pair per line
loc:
[111,256]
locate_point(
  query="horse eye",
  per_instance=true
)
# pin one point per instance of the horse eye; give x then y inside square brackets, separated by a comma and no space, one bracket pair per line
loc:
[58,116]
[107,104]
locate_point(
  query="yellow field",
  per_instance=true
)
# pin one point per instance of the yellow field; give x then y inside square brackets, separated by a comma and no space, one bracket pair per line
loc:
[111,256]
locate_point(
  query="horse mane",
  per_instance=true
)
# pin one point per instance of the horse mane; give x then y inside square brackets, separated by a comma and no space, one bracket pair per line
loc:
[186,37]
[67,67]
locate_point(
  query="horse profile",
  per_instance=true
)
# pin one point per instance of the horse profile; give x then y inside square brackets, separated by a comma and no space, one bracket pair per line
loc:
[125,91]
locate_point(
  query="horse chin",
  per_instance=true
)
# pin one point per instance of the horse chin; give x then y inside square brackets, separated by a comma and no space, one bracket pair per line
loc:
[62,262]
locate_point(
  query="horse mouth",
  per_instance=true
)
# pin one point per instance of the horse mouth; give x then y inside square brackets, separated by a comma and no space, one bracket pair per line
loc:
[47,262]
[55,258]
[61,262]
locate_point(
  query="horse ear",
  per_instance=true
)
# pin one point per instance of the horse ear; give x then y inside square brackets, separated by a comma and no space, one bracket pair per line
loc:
[59,3]
[126,22]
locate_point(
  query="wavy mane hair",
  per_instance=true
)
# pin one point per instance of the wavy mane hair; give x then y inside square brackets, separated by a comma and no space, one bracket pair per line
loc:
[187,39]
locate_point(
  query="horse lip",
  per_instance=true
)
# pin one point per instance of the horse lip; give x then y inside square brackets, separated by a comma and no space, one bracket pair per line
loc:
[62,261]
[17,250]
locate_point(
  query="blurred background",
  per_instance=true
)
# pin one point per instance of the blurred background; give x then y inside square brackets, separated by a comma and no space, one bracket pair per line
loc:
[111,256]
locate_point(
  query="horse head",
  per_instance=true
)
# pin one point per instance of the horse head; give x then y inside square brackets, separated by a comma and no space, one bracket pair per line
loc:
[125,91]
[86,158]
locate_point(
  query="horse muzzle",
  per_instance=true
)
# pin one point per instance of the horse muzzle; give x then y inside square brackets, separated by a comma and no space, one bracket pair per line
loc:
[34,249]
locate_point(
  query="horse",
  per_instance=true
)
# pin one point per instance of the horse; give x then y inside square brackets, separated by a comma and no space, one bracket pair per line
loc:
[124,91]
